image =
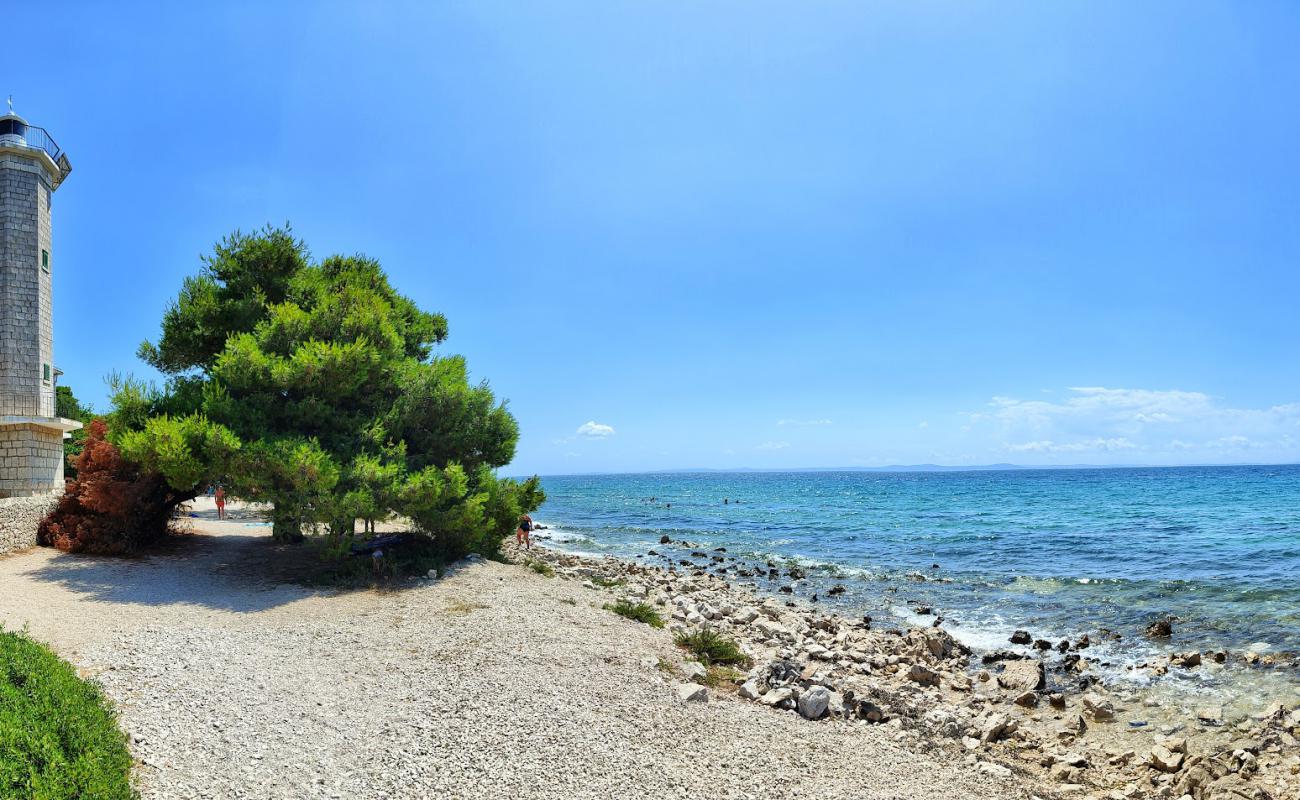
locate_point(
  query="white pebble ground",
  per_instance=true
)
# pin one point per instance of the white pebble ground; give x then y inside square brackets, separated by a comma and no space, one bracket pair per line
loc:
[485,684]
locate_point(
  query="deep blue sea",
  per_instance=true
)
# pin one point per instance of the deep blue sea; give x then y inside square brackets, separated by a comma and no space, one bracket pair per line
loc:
[1057,552]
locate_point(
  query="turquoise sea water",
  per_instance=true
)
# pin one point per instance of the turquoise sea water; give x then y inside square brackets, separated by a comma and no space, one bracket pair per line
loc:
[1057,552]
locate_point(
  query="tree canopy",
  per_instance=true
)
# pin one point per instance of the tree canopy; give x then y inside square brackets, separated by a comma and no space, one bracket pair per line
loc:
[314,387]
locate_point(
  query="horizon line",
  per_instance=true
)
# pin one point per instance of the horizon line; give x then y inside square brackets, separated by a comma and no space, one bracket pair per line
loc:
[905,468]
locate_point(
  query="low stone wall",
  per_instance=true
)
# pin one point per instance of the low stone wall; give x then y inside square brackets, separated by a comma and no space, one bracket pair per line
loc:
[19,517]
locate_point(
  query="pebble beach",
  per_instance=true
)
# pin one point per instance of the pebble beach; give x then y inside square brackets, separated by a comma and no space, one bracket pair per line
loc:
[491,682]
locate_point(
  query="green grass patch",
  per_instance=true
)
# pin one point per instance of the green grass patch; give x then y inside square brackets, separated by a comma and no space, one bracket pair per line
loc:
[712,648]
[58,735]
[540,567]
[718,676]
[607,583]
[639,612]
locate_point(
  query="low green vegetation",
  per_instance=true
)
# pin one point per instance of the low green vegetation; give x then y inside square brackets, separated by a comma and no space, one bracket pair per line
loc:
[540,567]
[638,612]
[717,676]
[606,583]
[59,738]
[712,648]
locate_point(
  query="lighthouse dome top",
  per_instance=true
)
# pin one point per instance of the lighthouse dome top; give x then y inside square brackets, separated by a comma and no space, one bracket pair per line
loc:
[16,134]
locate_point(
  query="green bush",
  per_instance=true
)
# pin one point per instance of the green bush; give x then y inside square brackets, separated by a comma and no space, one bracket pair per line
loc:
[541,568]
[607,583]
[712,648]
[639,612]
[58,735]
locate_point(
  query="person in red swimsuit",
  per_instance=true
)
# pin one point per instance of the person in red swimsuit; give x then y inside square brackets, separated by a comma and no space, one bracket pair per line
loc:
[221,503]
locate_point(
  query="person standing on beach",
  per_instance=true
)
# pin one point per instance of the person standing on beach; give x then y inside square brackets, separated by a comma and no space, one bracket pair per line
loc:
[221,502]
[522,533]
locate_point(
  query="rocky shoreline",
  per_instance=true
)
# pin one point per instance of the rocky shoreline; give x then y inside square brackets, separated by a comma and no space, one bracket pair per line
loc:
[1039,711]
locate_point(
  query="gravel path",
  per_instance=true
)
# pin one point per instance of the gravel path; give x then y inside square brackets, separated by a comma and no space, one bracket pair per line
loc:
[494,682]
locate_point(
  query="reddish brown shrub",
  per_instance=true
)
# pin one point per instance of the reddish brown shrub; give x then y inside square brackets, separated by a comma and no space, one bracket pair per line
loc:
[112,507]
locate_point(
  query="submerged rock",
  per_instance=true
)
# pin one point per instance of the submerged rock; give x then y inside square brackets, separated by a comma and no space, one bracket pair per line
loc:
[1161,628]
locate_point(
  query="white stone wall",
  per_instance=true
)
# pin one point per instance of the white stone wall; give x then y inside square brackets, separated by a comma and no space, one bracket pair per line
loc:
[19,518]
[31,461]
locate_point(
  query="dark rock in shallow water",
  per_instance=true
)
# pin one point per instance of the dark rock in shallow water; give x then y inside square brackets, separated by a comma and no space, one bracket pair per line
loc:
[1161,628]
[1063,646]
[836,589]
[652,553]
[665,539]
[796,573]
[1021,637]
[1042,644]
[719,549]
[786,589]
[1001,655]
[923,611]
[813,598]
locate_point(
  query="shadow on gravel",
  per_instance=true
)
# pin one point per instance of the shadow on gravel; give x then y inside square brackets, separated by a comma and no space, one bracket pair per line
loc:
[231,572]
[240,572]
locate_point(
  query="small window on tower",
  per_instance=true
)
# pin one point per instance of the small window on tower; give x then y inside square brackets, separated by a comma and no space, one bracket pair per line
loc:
[45,260]
[45,372]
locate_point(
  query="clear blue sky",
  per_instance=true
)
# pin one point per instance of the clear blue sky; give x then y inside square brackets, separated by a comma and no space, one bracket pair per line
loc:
[727,234]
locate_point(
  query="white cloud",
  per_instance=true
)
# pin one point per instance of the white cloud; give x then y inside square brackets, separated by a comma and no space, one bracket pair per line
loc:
[1151,425]
[595,430]
[1048,446]
[773,446]
[803,422]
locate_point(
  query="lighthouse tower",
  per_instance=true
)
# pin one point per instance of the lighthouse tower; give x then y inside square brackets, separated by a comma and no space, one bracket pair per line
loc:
[32,167]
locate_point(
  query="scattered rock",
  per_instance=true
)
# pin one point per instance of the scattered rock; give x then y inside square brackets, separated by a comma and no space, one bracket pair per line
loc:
[692,693]
[1021,637]
[1027,699]
[923,675]
[1165,760]
[776,696]
[1098,707]
[814,702]
[996,770]
[1022,676]
[694,671]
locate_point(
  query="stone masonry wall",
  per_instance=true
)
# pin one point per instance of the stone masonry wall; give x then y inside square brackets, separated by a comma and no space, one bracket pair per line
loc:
[26,324]
[31,461]
[19,518]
